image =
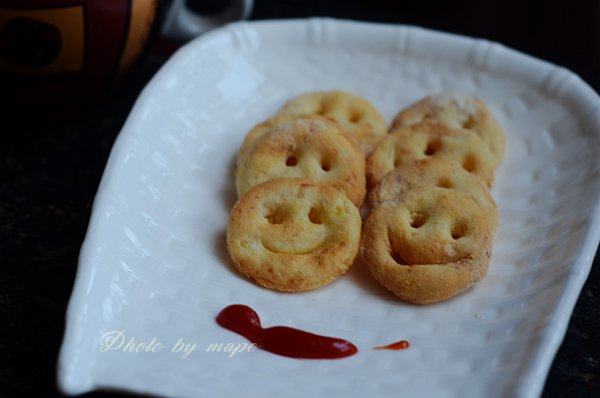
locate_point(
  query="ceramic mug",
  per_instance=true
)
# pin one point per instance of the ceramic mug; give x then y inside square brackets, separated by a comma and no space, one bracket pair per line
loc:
[80,47]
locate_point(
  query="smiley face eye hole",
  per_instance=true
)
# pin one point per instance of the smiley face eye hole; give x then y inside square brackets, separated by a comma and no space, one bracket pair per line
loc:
[315,216]
[432,147]
[322,108]
[469,123]
[274,216]
[291,161]
[444,182]
[427,115]
[417,219]
[325,166]
[470,163]
[354,116]
[458,231]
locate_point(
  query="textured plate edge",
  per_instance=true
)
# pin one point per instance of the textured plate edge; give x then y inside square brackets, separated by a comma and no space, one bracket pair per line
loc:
[531,382]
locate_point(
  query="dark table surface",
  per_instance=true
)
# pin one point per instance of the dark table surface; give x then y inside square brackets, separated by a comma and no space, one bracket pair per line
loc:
[50,169]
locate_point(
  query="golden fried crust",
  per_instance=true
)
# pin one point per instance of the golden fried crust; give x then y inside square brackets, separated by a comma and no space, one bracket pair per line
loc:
[313,148]
[429,139]
[357,115]
[429,246]
[437,173]
[293,234]
[457,112]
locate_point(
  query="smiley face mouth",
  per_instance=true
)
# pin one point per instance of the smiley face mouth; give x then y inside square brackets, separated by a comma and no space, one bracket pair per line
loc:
[289,239]
[278,250]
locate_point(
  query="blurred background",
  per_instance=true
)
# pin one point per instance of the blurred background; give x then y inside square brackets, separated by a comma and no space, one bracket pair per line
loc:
[70,71]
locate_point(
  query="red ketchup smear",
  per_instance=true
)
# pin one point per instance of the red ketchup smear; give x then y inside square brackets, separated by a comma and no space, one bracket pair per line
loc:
[398,345]
[283,340]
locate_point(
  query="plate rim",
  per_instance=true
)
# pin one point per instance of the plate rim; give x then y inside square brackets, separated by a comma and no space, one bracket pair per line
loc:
[533,377]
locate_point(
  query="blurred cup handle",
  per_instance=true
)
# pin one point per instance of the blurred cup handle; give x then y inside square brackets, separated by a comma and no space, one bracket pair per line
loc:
[181,23]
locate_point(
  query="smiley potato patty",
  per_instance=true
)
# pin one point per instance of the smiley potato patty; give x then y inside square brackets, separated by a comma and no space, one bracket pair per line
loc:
[310,147]
[357,115]
[429,244]
[458,112]
[293,234]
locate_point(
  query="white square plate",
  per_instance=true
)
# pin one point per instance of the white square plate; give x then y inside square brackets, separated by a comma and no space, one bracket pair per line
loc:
[154,262]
